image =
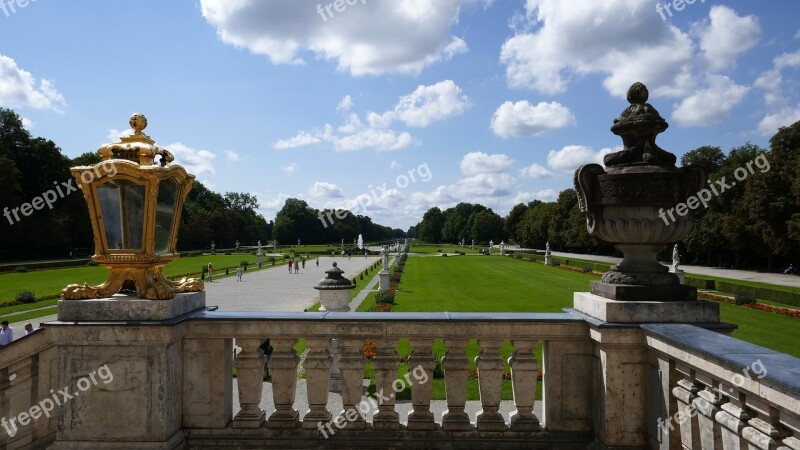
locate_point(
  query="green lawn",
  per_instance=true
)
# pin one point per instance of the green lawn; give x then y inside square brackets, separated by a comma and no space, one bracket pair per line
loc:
[51,281]
[434,249]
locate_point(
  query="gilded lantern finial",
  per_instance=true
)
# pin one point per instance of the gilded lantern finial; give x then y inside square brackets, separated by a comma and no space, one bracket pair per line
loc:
[138,122]
[135,207]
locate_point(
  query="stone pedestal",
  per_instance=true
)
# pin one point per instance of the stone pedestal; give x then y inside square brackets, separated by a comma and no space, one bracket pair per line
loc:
[680,274]
[385,278]
[548,260]
[123,307]
[621,366]
[131,360]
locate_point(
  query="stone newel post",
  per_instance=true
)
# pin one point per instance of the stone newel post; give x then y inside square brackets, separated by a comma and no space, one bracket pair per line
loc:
[625,204]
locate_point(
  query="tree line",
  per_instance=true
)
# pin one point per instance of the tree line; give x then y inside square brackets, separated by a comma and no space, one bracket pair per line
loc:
[755,222]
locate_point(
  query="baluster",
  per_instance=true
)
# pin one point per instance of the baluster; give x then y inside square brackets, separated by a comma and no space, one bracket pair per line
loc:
[767,433]
[351,366]
[707,405]
[523,376]
[421,359]
[284,383]
[318,371]
[490,377]
[250,378]
[386,364]
[685,393]
[456,373]
[733,418]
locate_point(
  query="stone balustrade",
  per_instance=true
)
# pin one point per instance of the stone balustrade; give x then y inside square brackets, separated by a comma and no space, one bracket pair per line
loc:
[716,392]
[173,380]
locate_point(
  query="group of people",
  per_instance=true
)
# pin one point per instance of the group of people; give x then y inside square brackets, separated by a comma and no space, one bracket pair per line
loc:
[210,270]
[296,264]
[7,334]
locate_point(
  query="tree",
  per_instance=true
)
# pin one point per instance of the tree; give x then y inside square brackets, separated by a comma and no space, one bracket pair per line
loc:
[512,220]
[430,229]
[559,224]
[487,226]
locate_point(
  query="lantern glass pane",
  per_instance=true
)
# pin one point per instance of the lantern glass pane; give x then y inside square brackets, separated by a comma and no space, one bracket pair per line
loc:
[122,207]
[165,213]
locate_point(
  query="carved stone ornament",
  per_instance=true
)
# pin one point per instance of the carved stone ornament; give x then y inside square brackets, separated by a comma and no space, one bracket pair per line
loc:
[625,205]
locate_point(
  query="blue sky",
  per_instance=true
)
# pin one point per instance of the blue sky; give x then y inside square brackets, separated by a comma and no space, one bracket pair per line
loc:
[391,107]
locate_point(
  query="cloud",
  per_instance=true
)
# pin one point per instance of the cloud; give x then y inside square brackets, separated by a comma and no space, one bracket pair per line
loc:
[545,195]
[622,40]
[232,156]
[366,38]
[345,104]
[114,134]
[394,165]
[711,105]
[427,104]
[523,119]
[300,140]
[571,157]
[28,123]
[727,36]
[782,118]
[19,89]
[536,172]
[476,163]
[323,189]
[196,162]
[290,169]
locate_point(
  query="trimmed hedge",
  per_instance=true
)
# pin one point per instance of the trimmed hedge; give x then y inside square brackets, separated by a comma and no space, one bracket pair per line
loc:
[701,283]
[784,297]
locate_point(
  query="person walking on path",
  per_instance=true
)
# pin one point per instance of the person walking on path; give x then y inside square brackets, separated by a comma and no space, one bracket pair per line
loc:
[210,272]
[239,273]
[290,267]
[317,261]
[304,263]
[296,267]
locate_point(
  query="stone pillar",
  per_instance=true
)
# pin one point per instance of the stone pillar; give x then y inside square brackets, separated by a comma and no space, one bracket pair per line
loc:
[456,373]
[351,366]
[523,375]
[283,364]
[490,377]
[136,359]
[318,369]
[421,418]
[386,364]
[250,378]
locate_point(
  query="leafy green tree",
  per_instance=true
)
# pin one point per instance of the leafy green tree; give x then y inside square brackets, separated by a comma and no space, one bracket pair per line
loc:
[512,220]
[431,226]
[487,226]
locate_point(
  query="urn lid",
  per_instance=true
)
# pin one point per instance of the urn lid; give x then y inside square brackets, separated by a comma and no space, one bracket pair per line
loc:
[334,280]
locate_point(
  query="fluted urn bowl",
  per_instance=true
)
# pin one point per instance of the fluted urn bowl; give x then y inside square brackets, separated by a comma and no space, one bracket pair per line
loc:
[635,207]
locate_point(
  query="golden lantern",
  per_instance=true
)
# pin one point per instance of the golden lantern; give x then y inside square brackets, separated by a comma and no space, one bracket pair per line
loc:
[135,207]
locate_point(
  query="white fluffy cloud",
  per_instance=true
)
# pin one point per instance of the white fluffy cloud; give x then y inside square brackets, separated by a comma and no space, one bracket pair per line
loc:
[427,104]
[524,119]
[783,110]
[290,169]
[771,122]
[545,195]
[323,189]
[365,38]
[422,107]
[623,40]
[18,88]
[709,106]
[476,163]
[536,172]
[232,156]
[571,157]
[196,162]
[726,36]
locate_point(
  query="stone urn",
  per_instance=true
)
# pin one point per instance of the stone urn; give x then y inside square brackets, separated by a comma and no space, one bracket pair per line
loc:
[334,290]
[638,203]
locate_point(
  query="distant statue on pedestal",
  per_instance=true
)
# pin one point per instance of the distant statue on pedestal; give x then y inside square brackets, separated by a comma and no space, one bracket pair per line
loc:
[676,259]
[548,258]
[213,248]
